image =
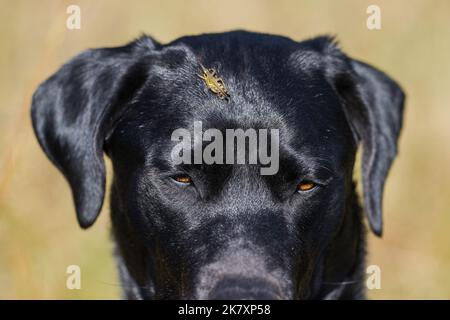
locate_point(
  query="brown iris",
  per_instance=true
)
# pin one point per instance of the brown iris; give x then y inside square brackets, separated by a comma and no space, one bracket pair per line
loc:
[183,179]
[306,186]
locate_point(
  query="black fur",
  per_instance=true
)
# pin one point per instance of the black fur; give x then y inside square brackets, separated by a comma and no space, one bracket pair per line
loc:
[233,233]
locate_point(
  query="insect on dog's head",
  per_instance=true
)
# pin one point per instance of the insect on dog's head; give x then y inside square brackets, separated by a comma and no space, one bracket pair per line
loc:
[219,229]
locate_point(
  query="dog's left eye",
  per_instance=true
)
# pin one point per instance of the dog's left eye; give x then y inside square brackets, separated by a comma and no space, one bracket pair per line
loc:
[182,180]
[306,186]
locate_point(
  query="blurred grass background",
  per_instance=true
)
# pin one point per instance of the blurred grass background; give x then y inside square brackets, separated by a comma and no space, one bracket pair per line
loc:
[39,236]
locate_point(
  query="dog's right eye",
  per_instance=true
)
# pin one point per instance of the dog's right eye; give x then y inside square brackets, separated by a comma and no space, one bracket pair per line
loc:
[183,180]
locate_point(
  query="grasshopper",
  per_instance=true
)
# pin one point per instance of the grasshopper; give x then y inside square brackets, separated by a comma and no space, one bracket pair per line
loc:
[214,83]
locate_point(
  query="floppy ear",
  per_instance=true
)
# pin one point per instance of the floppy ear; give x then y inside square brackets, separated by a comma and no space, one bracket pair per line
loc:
[377,119]
[373,104]
[75,108]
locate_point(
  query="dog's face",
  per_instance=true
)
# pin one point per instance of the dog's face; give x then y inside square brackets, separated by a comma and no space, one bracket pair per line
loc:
[221,230]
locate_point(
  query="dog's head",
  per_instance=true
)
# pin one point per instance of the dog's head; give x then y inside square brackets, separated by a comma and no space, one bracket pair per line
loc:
[213,230]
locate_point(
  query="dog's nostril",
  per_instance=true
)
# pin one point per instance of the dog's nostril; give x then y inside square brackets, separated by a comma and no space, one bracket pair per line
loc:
[240,288]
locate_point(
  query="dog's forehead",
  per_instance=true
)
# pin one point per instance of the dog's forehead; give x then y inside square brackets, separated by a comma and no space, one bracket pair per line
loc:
[267,77]
[268,89]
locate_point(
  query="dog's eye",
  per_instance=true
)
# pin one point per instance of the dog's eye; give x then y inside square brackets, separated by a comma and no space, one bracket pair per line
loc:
[306,186]
[182,179]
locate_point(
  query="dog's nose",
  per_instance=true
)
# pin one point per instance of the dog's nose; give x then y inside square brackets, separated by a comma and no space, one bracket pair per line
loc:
[242,288]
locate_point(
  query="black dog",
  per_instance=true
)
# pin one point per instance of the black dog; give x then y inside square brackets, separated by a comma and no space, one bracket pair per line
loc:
[225,231]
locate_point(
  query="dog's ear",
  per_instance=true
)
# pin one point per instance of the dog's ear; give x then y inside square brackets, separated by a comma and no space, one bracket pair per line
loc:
[76,107]
[377,119]
[373,104]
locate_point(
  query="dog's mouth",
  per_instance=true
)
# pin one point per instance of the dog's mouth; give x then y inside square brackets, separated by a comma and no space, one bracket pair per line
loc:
[244,288]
